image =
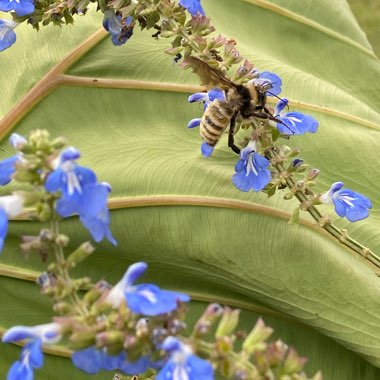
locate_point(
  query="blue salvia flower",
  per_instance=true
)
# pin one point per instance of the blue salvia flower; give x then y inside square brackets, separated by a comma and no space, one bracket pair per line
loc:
[21,7]
[8,165]
[194,7]
[120,30]
[182,364]
[10,206]
[7,35]
[31,357]
[91,360]
[251,170]
[269,81]
[31,354]
[294,123]
[7,168]
[348,203]
[207,98]
[70,179]
[81,195]
[145,299]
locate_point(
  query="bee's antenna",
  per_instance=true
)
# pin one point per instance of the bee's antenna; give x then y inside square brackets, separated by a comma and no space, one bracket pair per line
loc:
[271,94]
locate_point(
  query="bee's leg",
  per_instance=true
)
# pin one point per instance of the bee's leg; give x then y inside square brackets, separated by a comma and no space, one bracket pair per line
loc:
[268,115]
[231,140]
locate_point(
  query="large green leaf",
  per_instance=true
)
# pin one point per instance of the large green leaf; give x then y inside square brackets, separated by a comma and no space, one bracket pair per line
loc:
[125,108]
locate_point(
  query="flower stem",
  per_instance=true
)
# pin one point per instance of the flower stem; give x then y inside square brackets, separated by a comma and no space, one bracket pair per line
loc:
[339,234]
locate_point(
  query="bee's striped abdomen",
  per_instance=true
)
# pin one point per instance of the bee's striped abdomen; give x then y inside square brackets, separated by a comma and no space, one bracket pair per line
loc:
[214,121]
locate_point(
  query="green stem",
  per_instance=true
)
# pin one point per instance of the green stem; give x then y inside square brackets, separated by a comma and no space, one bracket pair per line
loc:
[62,270]
[333,230]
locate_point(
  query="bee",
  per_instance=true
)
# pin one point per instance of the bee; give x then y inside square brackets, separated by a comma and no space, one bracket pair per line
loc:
[242,102]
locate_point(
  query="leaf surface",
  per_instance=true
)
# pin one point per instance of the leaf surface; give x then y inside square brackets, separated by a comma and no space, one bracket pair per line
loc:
[125,108]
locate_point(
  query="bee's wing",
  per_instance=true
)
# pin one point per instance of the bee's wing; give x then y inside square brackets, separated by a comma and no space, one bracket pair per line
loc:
[209,76]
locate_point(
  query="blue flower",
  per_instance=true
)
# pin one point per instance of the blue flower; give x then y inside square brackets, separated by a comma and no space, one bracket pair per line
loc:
[31,357]
[81,195]
[31,354]
[348,203]
[21,7]
[7,168]
[70,179]
[294,123]
[207,97]
[251,170]
[17,141]
[7,35]
[91,360]
[120,30]
[193,6]
[270,82]
[183,364]
[48,333]
[145,299]
[10,206]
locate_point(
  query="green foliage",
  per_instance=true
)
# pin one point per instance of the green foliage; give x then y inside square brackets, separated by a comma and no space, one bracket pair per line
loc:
[125,109]
[368,14]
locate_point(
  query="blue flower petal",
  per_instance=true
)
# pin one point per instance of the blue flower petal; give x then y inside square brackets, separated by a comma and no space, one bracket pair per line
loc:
[34,351]
[352,205]
[17,141]
[111,362]
[134,272]
[134,368]
[3,227]
[71,182]
[194,123]
[149,299]
[112,22]
[297,123]
[251,172]
[99,226]
[7,35]
[6,5]
[23,7]
[183,365]
[69,154]
[193,6]
[281,105]
[88,360]
[7,168]
[198,97]
[206,149]
[20,371]
[216,93]
[271,81]
[94,199]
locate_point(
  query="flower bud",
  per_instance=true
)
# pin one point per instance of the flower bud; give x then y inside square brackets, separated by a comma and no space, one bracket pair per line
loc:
[80,254]
[313,173]
[62,307]
[293,363]
[82,339]
[256,338]
[206,321]
[62,240]
[228,322]
[224,345]
[58,143]
[109,338]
